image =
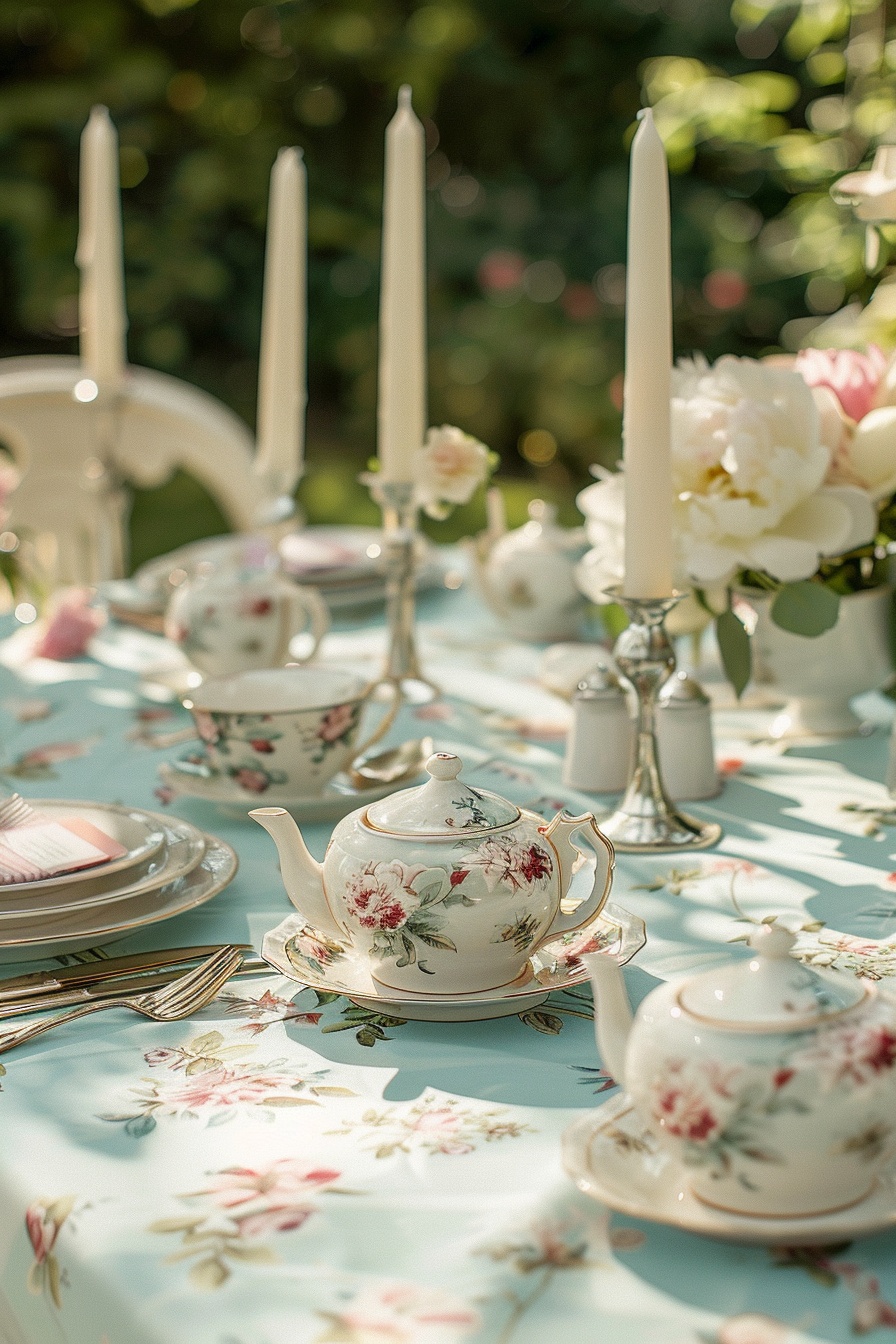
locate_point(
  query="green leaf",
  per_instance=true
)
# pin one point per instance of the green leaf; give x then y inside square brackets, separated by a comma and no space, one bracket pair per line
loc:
[324,996]
[431,892]
[546,1023]
[183,1223]
[209,1274]
[437,940]
[140,1126]
[734,646]
[806,608]
[204,1045]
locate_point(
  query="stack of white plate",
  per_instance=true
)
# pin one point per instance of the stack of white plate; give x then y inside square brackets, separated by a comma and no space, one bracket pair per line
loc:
[170,866]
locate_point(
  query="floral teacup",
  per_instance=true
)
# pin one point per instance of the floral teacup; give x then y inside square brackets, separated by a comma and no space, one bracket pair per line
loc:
[288,730]
[238,621]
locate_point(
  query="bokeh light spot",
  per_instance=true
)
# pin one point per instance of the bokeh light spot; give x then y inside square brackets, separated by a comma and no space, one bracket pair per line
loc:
[538,446]
[186,91]
[321,105]
[544,281]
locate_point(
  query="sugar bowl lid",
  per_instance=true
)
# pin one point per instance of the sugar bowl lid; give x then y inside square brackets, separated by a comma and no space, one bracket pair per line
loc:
[444,805]
[770,992]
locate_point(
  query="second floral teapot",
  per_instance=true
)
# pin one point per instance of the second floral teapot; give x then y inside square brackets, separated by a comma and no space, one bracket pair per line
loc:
[445,888]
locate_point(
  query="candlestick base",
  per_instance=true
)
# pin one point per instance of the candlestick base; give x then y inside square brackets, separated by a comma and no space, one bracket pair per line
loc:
[647,821]
[402,676]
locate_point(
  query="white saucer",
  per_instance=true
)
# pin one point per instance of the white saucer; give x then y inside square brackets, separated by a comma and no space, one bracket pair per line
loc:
[50,937]
[611,1157]
[298,951]
[338,799]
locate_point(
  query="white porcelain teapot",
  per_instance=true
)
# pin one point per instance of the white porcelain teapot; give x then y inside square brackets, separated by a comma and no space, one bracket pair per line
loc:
[772,1082]
[527,576]
[445,888]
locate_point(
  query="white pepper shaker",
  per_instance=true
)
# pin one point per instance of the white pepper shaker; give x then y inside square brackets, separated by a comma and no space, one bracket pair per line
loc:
[600,741]
[684,740]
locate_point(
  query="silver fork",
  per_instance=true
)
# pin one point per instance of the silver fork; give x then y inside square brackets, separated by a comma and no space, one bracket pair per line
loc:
[178,999]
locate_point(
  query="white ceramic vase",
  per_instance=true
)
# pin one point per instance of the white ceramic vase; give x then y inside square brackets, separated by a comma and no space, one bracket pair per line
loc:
[820,676]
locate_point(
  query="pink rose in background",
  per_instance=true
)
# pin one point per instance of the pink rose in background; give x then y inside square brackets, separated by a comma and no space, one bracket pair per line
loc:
[853,378]
[71,625]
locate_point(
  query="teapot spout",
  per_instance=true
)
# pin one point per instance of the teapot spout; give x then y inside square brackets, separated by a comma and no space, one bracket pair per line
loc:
[612,1011]
[302,875]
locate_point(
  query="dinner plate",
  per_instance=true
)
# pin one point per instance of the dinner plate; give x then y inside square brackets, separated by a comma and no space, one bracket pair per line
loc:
[614,1159]
[182,848]
[79,929]
[142,834]
[302,953]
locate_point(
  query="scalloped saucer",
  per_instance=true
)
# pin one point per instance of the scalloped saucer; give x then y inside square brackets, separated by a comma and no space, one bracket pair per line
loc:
[614,1159]
[298,951]
[338,798]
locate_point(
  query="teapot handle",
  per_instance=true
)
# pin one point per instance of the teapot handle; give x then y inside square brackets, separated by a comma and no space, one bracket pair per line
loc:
[560,833]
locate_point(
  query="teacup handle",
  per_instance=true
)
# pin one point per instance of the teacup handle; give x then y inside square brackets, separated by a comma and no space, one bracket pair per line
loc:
[302,604]
[385,722]
[560,833]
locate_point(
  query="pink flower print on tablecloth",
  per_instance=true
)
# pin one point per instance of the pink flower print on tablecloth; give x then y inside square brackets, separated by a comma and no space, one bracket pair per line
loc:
[43,1220]
[401,1313]
[257,1202]
[336,723]
[71,625]
[441,1130]
[262,745]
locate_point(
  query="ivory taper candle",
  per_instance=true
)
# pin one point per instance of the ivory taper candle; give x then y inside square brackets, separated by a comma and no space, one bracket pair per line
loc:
[101,305]
[282,391]
[401,410]
[646,429]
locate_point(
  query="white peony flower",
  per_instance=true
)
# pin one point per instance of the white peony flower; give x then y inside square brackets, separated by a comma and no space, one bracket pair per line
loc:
[748,469]
[872,451]
[448,468]
[748,465]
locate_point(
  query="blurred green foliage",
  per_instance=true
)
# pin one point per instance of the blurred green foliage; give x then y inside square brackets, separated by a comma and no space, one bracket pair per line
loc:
[529,106]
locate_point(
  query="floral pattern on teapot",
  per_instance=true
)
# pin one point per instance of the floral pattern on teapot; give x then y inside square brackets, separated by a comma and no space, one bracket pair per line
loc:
[405,907]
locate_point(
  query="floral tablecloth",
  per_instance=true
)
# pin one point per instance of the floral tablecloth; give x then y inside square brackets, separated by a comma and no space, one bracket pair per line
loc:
[286,1168]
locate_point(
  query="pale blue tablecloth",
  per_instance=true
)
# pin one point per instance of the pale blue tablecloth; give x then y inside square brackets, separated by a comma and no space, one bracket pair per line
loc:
[279,1171]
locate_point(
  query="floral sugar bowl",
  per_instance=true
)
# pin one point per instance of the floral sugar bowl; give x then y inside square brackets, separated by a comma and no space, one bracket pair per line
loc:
[444,888]
[771,1083]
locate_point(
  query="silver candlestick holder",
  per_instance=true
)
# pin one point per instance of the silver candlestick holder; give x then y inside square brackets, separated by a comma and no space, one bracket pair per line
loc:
[647,821]
[401,668]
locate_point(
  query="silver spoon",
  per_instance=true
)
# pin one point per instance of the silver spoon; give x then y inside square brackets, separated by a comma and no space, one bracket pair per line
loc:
[393,765]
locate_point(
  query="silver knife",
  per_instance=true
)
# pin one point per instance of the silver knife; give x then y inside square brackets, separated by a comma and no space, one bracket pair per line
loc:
[91,972]
[113,987]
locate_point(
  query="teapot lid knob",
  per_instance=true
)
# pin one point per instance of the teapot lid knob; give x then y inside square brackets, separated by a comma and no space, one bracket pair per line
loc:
[773,941]
[444,765]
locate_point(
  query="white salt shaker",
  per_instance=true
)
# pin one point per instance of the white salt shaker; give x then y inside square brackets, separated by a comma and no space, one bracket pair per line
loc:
[684,740]
[601,737]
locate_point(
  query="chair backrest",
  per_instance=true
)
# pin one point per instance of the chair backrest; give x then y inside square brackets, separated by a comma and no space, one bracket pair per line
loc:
[75,459]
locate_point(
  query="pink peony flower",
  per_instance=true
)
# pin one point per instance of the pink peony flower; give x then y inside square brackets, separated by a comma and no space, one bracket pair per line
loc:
[283,1181]
[72,624]
[42,1231]
[225,1087]
[854,378]
[336,723]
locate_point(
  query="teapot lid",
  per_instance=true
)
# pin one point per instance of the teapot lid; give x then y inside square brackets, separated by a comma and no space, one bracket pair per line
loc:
[444,805]
[771,991]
